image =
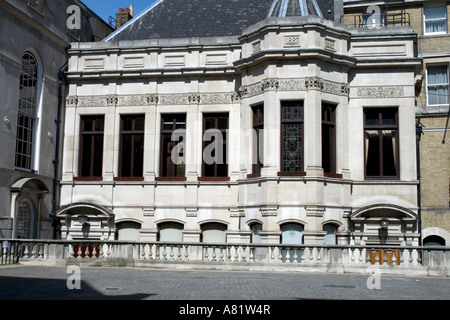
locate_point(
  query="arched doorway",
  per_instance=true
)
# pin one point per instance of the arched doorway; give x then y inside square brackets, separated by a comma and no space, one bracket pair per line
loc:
[27,196]
[25,220]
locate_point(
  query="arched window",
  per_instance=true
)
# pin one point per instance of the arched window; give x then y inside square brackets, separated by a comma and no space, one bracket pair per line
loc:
[170,232]
[129,231]
[25,220]
[214,233]
[330,237]
[26,119]
[434,240]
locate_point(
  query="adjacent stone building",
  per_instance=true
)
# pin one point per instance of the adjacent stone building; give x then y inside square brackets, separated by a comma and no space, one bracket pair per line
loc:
[242,121]
[429,19]
[34,37]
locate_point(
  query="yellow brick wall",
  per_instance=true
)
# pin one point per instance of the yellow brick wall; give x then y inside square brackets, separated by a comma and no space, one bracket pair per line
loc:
[435,174]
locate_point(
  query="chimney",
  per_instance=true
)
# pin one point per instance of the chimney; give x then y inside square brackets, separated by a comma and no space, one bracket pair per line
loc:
[123,16]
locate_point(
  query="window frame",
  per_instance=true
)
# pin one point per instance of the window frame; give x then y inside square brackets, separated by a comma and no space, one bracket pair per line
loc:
[93,134]
[447,84]
[444,7]
[380,127]
[216,117]
[133,133]
[258,127]
[330,124]
[24,154]
[292,120]
[175,117]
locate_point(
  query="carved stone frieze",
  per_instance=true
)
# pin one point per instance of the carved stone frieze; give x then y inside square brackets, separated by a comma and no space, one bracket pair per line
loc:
[381,92]
[311,83]
[92,101]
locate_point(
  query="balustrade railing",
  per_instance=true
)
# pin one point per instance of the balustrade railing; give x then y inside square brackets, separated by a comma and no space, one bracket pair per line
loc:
[323,257]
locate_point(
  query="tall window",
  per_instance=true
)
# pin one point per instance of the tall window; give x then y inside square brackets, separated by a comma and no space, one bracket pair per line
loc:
[26,120]
[258,127]
[292,137]
[435,19]
[172,152]
[215,126]
[381,143]
[437,84]
[91,146]
[131,161]
[329,138]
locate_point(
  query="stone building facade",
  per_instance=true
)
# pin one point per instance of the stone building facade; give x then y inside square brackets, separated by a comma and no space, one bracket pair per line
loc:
[282,125]
[34,38]
[429,19]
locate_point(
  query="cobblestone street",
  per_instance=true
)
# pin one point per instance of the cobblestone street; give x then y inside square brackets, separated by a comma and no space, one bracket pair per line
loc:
[49,283]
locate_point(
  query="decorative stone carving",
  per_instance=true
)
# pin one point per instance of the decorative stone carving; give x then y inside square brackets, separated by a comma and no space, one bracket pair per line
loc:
[92,101]
[292,41]
[152,98]
[112,100]
[329,44]
[292,84]
[269,84]
[256,46]
[381,92]
[194,97]
[71,101]
[314,83]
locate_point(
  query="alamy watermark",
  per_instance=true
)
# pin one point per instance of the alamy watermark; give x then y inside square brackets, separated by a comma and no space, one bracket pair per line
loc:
[74,280]
[74,20]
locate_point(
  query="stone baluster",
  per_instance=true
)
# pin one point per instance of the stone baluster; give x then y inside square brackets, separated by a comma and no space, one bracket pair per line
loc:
[311,255]
[295,256]
[288,255]
[221,255]
[236,253]
[214,255]
[303,256]
[186,252]
[206,253]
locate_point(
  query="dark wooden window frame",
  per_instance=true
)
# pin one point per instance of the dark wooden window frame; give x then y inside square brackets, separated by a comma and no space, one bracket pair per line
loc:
[290,121]
[133,133]
[93,134]
[257,126]
[216,116]
[380,127]
[329,124]
[164,133]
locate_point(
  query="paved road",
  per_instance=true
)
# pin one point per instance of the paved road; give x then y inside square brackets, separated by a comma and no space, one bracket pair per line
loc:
[51,283]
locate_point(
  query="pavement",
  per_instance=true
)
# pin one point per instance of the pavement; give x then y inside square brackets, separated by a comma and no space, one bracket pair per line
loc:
[233,287]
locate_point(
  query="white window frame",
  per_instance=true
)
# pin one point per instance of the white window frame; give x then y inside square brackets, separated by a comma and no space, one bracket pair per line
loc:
[425,20]
[445,65]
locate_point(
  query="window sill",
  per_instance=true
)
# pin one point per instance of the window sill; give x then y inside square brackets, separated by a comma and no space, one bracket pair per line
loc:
[118,179]
[213,178]
[88,179]
[291,174]
[253,175]
[333,175]
[163,179]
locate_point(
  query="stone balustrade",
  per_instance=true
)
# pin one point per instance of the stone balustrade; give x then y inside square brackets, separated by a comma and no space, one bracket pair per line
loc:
[406,260]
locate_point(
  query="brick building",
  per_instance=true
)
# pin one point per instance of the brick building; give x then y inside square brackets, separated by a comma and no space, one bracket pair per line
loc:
[430,20]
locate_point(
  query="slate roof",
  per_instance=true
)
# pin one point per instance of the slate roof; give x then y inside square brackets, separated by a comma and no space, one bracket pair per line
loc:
[209,18]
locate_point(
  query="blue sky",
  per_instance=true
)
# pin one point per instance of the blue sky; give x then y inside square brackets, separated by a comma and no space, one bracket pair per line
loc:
[106,8]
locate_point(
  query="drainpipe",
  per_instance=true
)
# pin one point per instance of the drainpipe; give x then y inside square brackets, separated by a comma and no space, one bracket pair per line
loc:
[61,85]
[419,133]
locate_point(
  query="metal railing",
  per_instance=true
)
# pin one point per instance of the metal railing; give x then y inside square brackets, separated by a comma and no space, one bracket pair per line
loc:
[380,20]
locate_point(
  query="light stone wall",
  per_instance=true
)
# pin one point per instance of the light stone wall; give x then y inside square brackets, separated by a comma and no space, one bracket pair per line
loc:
[303,59]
